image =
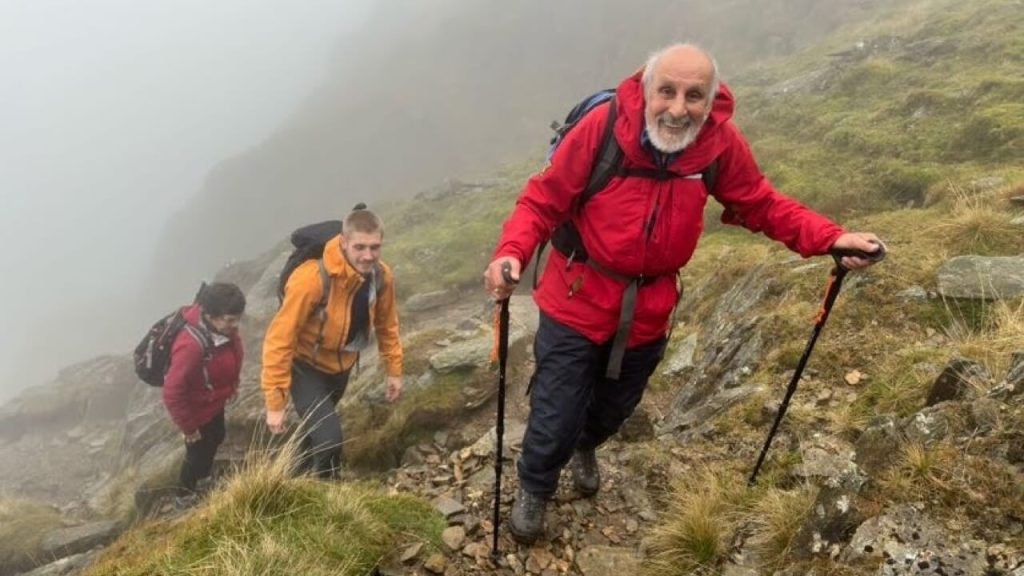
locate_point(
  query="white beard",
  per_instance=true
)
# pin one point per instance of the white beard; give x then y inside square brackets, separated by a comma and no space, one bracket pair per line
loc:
[669,140]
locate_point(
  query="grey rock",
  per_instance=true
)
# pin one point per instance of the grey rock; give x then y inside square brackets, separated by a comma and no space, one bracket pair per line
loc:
[834,464]
[1015,376]
[827,529]
[682,358]
[436,564]
[430,300]
[909,543]
[469,354]
[956,380]
[731,348]
[985,414]
[411,552]
[511,438]
[261,301]
[913,294]
[481,480]
[878,446]
[447,506]
[700,418]
[607,561]
[67,566]
[982,277]
[454,537]
[932,424]
[68,541]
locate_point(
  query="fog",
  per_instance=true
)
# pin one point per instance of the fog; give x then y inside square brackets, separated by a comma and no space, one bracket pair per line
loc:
[112,113]
[146,144]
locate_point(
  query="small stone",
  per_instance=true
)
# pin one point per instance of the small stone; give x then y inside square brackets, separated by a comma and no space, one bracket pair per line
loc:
[454,537]
[853,378]
[411,552]
[476,550]
[436,564]
[448,507]
[538,560]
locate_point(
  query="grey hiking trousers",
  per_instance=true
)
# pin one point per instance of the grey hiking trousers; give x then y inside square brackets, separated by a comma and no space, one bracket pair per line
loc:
[315,395]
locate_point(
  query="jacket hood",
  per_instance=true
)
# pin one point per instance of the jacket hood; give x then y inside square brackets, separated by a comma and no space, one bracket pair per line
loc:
[192,314]
[629,99]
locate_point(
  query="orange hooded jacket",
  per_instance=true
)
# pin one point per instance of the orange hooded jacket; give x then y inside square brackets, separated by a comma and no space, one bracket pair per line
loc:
[292,334]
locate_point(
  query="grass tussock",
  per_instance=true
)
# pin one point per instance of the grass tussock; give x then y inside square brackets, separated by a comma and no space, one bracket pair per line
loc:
[267,521]
[701,516]
[986,331]
[23,525]
[979,223]
[778,516]
[900,384]
[705,510]
[956,482]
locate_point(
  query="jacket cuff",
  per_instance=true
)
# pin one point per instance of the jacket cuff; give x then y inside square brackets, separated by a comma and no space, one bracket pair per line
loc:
[276,400]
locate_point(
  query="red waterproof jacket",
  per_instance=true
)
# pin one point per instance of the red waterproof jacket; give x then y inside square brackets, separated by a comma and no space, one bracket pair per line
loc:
[190,401]
[642,226]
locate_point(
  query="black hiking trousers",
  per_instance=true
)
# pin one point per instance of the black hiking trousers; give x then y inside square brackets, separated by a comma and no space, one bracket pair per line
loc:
[199,455]
[572,404]
[315,395]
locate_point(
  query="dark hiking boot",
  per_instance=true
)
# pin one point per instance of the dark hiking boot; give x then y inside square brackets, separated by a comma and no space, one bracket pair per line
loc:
[527,522]
[585,474]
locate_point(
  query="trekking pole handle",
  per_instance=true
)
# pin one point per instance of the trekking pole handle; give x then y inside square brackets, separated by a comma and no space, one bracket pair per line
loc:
[877,255]
[506,274]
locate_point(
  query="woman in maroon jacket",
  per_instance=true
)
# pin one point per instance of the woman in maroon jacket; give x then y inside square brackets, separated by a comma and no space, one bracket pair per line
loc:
[203,375]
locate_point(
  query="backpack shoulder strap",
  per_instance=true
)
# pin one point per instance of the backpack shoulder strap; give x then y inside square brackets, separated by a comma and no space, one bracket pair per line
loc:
[606,164]
[325,285]
[608,160]
[321,307]
[205,345]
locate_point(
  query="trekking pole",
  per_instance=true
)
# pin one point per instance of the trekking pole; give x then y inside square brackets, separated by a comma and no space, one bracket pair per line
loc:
[831,292]
[506,274]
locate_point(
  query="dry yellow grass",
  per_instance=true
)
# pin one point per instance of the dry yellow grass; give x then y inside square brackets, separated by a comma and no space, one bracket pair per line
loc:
[23,524]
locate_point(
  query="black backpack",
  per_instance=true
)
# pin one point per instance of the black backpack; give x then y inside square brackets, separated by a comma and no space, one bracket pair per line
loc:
[309,242]
[152,355]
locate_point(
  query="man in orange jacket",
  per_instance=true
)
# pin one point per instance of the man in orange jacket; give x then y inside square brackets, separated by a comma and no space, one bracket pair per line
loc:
[310,353]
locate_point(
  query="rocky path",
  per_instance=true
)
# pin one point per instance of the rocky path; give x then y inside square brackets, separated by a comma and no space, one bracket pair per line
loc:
[596,536]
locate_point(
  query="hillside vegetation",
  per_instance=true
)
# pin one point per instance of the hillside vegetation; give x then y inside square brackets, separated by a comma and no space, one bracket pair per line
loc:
[909,125]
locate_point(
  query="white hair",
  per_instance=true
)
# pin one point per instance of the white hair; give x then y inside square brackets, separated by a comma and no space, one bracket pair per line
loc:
[655,57]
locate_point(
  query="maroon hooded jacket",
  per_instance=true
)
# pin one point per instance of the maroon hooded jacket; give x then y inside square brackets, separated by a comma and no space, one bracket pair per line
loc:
[615,225]
[190,401]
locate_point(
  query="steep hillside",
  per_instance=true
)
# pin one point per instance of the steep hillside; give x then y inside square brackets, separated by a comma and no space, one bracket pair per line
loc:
[430,91]
[901,452]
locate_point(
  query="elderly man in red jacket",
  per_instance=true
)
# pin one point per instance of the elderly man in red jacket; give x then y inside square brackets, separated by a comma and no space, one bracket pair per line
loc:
[606,297]
[205,364]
